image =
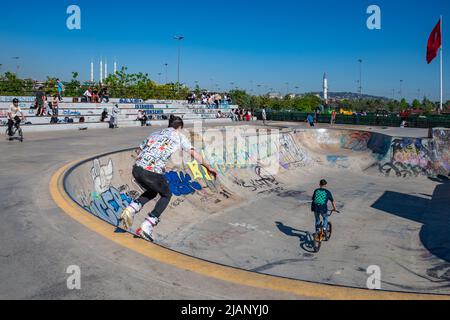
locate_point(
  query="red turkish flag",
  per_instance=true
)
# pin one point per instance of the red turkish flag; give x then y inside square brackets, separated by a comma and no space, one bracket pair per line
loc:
[434,43]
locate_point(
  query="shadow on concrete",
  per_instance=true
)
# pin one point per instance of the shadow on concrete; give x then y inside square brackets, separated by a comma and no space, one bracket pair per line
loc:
[305,238]
[433,213]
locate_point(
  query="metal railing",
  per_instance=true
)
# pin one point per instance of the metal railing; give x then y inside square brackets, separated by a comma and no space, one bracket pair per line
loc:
[434,121]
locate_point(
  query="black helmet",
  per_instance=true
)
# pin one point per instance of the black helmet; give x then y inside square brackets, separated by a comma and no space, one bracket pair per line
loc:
[15,100]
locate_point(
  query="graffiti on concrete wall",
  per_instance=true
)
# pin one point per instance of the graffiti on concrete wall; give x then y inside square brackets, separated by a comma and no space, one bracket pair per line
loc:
[441,139]
[262,182]
[181,183]
[291,154]
[106,201]
[410,157]
[101,175]
[356,141]
[338,161]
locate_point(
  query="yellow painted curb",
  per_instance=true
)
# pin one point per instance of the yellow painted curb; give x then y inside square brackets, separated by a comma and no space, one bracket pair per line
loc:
[209,269]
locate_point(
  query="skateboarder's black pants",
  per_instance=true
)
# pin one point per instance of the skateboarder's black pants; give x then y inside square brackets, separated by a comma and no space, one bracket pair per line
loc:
[154,184]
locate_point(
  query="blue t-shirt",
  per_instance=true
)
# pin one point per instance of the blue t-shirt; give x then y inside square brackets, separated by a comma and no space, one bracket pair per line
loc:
[320,200]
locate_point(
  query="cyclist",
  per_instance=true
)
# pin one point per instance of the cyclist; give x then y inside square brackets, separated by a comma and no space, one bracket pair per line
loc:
[13,116]
[319,205]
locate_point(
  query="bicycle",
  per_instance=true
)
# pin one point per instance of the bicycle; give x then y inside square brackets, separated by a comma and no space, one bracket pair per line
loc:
[323,235]
[16,130]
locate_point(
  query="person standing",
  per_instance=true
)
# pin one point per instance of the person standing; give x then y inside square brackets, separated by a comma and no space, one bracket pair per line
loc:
[264,116]
[310,120]
[317,114]
[60,89]
[333,117]
[149,169]
[40,100]
[113,120]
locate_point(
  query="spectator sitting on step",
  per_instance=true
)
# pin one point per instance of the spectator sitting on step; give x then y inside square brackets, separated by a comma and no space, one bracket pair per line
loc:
[142,117]
[88,95]
[95,96]
[104,95]
[104,115]
[55,104]
[248,116]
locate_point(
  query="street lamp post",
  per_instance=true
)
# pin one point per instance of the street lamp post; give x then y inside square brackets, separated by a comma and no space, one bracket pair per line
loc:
[165,67]
[17,65]
[259,89]
[401,89]
[179,38]
[360,78]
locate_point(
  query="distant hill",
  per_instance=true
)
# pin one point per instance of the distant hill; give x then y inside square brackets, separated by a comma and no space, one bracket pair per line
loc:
[350,96]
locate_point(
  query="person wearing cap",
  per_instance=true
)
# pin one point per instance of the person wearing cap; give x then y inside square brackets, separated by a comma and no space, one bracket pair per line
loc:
[319,206]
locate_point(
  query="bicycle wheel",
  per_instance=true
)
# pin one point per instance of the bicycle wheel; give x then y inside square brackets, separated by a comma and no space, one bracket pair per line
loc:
[20,134]
[329,231]
[316,244]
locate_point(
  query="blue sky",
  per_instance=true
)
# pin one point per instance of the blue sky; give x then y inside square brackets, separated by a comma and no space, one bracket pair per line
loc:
[242,41]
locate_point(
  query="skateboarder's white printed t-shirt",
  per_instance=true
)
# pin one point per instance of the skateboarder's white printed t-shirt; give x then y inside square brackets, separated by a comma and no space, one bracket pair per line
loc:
[157,149]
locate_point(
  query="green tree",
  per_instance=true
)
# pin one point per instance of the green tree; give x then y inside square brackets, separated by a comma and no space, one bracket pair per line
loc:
[403,104]
[416,104]
[73,88]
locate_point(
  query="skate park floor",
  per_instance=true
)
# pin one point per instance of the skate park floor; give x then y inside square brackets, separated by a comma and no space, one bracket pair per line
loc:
[39,241]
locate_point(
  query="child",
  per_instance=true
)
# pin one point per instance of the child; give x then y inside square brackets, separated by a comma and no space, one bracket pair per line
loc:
[319,204]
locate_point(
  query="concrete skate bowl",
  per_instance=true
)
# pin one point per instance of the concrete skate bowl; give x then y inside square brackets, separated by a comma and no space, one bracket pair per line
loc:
[253,224]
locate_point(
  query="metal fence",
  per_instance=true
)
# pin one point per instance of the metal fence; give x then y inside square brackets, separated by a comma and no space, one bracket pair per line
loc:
[369,120]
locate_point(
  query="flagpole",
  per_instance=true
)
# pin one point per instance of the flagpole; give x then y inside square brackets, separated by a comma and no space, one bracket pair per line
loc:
[442,90]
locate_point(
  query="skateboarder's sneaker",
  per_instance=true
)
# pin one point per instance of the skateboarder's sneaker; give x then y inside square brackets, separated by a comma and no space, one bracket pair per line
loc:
[146,230]
[127,215]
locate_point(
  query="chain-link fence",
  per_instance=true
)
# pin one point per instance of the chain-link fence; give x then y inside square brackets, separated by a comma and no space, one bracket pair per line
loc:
[442,121]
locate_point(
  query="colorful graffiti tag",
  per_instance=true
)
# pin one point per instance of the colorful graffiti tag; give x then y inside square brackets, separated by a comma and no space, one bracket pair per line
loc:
[109,205]
[441,138]
[410,158]
[106,202]
[181,183]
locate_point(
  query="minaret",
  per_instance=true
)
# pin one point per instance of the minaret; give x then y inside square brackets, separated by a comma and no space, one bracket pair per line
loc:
[325,88]
[101,70]
[92,71]
[106,69]
[115,66]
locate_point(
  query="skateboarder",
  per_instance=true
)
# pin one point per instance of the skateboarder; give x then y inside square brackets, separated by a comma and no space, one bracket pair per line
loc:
[149,169]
